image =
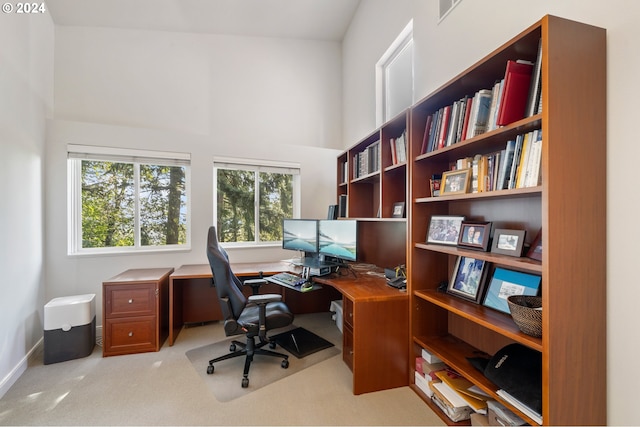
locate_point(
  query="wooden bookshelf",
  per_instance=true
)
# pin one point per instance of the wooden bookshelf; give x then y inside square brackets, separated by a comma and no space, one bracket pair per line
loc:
[568,205]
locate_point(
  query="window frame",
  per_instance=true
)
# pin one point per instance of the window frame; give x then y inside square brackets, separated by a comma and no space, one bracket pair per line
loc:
[402,44]
[77,153]
[257,166]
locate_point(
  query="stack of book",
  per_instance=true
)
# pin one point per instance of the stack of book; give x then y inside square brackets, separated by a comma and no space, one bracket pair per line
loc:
[518,165]
[510,99]
[456,396]
[367,161]
[399,149]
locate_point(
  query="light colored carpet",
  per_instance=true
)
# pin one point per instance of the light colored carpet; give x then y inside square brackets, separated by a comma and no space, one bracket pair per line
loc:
[225,382]
[163,388]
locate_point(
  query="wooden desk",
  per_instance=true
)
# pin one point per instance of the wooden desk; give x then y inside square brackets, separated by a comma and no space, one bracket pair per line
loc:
[193,299]
[375,316]
[375,330]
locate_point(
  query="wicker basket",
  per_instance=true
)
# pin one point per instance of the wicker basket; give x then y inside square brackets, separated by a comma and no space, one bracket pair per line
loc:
[524,313]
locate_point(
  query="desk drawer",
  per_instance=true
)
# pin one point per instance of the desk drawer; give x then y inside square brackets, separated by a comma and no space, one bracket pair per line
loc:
[347,311]
[130,335]
[347,345]
[130,300]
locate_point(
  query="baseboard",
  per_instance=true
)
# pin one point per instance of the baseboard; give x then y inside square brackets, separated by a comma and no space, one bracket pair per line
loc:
[19,369]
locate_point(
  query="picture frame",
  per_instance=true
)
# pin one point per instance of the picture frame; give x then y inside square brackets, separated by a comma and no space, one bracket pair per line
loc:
[455,182]
[468,279]
[508,242]
[398,210]
[475,235]
[444,229]
[505,283]
[535,250]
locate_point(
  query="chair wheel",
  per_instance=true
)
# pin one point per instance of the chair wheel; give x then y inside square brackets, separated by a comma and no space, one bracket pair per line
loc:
[272,345]
[245,382]
[232,348]
[210,369]
[285,364]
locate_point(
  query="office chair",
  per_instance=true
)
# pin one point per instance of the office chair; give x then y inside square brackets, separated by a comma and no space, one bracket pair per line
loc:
[253,316]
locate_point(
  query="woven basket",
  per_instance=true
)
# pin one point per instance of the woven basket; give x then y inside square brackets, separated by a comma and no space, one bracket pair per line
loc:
[524,313]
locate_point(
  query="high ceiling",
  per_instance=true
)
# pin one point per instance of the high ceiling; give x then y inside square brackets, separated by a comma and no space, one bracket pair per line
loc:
[307,19]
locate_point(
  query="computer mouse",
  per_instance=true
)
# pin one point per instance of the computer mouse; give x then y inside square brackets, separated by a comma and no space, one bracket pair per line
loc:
[306,286]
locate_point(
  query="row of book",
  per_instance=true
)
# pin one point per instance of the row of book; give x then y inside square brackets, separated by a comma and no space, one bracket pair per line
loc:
[458,397]
[518,165]
[367,161]
[399,148]
[511,98]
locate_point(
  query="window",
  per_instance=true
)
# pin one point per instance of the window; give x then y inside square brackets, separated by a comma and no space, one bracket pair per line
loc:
[445,7]
[394,77]
[127,200]
[251,199]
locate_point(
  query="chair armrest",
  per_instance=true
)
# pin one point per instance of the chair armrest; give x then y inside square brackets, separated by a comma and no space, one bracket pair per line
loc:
[264,298]
[255,284]
[261,301]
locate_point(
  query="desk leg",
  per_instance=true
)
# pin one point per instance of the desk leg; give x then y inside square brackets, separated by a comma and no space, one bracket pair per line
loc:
[175,310]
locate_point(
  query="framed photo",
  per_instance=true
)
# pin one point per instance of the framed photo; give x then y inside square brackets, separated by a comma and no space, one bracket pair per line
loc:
[468,278]
[475,235]
[535,251]
[398,210]
[505,283]
[455,182]
[444,229]
[508,242]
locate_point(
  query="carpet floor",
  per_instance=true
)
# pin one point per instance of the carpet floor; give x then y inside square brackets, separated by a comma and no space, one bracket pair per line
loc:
[225,382]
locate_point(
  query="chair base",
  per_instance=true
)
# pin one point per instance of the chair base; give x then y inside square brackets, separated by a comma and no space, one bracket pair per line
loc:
[249,349]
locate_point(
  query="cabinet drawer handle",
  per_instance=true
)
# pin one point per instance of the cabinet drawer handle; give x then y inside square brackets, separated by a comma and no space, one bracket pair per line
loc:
[130,334]
[131,301]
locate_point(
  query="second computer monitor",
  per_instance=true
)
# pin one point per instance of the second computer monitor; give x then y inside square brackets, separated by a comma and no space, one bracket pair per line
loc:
[300,235]
[338,239]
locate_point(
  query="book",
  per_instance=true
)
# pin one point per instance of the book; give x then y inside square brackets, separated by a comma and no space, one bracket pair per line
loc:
[524,158]
[537,417]
[425,137]
[505,165]
[535,85]
[444,126]
[532,177]
[480,114]
[517,81]
[495,98]
[511,183]
[465,123]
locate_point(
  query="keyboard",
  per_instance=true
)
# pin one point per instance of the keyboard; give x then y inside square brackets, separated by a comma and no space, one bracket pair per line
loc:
[286,279]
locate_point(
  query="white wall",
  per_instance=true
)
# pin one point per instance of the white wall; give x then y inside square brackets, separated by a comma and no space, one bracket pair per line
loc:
[471,31]
[26,74]
[247,97]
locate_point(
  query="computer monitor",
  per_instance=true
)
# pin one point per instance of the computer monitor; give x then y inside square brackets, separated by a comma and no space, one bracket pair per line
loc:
[301,235]
[337,239]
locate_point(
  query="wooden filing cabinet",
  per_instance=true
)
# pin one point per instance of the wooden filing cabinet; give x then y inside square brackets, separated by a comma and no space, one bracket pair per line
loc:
[135,311]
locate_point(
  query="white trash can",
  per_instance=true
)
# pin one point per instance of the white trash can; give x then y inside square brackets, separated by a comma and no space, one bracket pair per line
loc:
[69,328]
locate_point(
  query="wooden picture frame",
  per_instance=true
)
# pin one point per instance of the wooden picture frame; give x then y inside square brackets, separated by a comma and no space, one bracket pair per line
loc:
[398,210]
[508,242]
[468,279]
[535,250]
[505,283]
[455,182]
[475,235]
[444,229]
